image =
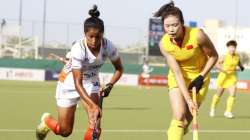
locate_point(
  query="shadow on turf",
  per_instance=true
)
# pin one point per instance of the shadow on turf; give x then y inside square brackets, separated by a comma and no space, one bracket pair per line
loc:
[127,108]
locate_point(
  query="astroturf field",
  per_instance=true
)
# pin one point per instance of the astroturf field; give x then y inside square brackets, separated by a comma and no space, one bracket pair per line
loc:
[129,113]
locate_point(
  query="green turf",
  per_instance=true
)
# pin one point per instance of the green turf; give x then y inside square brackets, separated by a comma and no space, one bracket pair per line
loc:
[128,108]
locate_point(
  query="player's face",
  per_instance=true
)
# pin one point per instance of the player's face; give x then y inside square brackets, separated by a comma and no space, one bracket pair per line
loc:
[94,37]
[231,49]
[173,26]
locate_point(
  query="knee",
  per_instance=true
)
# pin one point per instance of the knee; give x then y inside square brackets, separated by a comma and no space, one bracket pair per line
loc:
[186,123]
[66,132]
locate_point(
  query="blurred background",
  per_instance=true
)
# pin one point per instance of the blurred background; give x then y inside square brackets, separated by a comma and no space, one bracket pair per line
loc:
[32,29]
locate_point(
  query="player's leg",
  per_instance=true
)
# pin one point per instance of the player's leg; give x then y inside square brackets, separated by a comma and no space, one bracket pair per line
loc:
[179,109]
[221,82]
[215,101]
[148,82]
[66,120]
[141,81]
[93,124]
[187,120]
[230,102]
[64,125]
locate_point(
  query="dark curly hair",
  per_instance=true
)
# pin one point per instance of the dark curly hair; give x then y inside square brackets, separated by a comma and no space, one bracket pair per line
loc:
[232,43]
[169,9]
[94,21]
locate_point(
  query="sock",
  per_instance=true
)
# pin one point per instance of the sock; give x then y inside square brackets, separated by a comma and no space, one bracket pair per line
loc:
[230,103]
[215,101]
[53,125]
[89,134]
[176,130]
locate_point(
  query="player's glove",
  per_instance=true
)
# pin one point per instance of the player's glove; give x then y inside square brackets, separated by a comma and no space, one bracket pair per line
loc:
[241,68]
[106,90]
[197,83]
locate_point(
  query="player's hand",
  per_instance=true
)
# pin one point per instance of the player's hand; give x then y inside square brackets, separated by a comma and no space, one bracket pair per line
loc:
[106,89]
[242,68]
[197,83]
[192,106]
[96,111]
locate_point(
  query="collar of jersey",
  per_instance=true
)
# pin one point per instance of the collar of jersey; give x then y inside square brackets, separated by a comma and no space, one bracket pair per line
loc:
[88,51]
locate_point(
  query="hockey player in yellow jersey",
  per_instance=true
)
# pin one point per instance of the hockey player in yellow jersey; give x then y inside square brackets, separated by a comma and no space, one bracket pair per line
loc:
[227,78]
[190,55]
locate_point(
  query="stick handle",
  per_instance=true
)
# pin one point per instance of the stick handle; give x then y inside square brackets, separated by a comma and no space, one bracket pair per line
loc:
[94,136]
[195,122]
[100,101]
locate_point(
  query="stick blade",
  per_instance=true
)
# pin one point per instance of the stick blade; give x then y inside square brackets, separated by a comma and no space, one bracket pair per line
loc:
[195,135]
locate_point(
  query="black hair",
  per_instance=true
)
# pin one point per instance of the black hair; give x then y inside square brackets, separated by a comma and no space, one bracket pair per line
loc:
[169,9]
[94,21]
[232,43]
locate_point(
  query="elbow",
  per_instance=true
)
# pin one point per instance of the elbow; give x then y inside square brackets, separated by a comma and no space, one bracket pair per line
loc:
[77,85]
[216,56]
[120,69]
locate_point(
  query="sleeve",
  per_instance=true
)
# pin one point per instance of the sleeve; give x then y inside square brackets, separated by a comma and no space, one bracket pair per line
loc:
[112,52]
[165,44]
[77,56]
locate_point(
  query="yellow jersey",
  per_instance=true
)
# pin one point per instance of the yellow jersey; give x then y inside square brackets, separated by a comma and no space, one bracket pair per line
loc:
[189,55]
[228,78]
[230,62]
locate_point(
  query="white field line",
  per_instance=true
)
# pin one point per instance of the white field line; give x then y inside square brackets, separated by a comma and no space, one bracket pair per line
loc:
[130,131]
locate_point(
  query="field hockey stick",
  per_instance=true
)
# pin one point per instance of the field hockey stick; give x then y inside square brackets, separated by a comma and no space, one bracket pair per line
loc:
[54,55]
[58,57]
[100,101]
[195,122]
[94,136]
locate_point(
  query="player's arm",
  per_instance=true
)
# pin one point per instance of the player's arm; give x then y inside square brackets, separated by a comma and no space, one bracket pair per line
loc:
[219,64]
[113,56]
[174,66]
[116,76]
[77,58]
[208,48]
[118,71]
[77,74]
[241,66]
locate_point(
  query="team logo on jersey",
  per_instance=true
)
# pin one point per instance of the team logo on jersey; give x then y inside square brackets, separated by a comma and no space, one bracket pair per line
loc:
[189,47]
[86,59]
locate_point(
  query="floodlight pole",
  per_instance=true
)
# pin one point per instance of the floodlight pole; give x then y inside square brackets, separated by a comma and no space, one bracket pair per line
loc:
[236,19]
[44,28]
[20,12]
[20,26]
